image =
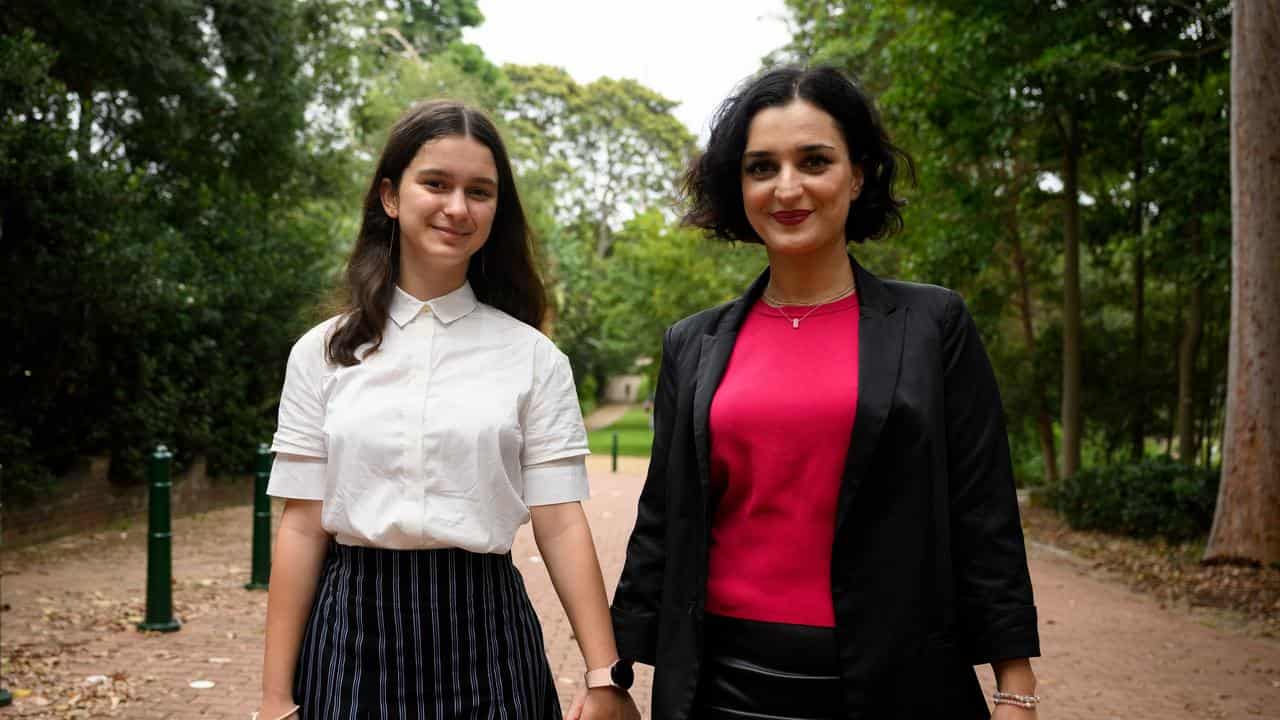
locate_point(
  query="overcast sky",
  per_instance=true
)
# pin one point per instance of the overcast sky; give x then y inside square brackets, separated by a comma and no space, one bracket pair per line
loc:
[691,51]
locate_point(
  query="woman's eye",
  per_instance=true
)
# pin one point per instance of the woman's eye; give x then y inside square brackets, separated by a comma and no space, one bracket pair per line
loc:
[757,169]
[480,193]
[435,184]
[816,162]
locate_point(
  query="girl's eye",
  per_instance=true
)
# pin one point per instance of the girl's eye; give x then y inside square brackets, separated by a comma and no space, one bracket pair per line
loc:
[816,162]
[435,184]
[759,168]
[481,194]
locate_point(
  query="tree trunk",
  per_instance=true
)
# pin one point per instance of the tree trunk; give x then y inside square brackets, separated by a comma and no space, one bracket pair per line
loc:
[1138,223]
[1188,348]
[604,239]
[84,130]
[1044,424]
[1138,438]
[1072,423]
[1246,526]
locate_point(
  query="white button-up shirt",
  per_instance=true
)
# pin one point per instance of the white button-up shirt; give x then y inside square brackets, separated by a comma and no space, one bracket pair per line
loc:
[444,437]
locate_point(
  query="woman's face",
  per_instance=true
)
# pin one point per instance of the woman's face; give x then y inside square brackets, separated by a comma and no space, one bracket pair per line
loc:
[445,202]
[797,179]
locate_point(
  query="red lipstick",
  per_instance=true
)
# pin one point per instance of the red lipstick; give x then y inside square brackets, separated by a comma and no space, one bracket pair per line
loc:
[791,217]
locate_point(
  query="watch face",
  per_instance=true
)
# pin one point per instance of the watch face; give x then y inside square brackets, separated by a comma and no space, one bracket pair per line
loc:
[622,674]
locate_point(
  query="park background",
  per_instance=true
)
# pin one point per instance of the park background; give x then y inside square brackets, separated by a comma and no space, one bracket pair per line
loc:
[180,182]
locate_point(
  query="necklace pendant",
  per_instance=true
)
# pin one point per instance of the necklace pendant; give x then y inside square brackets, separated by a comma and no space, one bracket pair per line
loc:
[795,323]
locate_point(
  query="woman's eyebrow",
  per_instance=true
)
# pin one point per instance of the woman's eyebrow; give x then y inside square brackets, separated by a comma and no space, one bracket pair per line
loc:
[803,148]
[481,179]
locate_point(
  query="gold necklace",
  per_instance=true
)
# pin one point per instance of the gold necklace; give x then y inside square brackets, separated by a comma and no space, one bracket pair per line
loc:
[795,321]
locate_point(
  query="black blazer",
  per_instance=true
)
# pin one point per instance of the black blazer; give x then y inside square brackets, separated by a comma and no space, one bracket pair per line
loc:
[929,572]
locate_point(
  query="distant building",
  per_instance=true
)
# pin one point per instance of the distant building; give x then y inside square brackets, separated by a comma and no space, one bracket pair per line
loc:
[623,389]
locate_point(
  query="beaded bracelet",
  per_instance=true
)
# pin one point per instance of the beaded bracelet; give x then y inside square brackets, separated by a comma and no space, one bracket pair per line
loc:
[1028,702]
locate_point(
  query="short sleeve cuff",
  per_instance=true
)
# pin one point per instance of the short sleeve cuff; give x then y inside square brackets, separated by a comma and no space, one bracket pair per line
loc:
[555,455]
[297,478]
[296,443]
[558,481]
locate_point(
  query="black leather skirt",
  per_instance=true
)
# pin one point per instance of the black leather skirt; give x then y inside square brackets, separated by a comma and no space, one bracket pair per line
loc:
[767,671]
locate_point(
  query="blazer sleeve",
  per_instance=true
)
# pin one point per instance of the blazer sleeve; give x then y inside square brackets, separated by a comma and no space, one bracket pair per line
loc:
[639,595]
[995,610]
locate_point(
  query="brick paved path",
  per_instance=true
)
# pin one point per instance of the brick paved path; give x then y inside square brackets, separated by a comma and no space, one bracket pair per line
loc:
[72,605]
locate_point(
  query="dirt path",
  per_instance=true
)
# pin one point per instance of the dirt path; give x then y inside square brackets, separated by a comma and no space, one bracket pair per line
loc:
[605,415]
[1109,653]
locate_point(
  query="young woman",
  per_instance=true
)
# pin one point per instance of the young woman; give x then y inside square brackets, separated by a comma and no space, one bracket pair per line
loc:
[829,528]
[418,430]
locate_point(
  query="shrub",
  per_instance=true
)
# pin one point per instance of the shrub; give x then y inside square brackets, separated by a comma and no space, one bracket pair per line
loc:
[1154,497]
[588,389]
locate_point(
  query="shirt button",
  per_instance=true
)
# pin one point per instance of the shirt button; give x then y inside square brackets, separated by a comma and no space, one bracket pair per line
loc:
[426,310]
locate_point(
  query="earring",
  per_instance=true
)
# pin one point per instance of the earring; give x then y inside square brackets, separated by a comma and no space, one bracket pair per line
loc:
[391,242]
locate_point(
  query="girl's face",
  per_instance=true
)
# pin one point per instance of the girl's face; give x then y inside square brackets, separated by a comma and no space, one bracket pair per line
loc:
[798,181]
[445,202]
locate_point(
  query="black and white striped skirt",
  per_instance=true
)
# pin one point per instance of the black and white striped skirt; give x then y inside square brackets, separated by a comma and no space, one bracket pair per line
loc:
[427,634]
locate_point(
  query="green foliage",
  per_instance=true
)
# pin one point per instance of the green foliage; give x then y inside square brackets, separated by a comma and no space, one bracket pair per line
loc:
[460,72]
[588,389]
[1154,497]
[429,26]
[22,479]
[606,148]
[977,93]
[181,181]
[589,156]
[158,255]
[658,274]
[648,386]
[613,311]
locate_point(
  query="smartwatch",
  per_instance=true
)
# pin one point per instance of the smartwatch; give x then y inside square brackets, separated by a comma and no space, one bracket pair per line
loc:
[619,675]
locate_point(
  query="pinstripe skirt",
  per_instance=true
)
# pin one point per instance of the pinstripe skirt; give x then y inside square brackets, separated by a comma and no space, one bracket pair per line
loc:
[427,634]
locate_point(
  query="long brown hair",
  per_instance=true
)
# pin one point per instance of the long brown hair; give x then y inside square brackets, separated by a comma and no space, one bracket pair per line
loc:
[502,272]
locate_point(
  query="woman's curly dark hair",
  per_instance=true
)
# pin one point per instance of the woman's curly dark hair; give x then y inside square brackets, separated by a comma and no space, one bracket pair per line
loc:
[713,183]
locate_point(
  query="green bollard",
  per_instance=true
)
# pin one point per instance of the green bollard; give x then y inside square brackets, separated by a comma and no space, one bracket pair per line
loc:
[615,452]
[261,521]
[159,547]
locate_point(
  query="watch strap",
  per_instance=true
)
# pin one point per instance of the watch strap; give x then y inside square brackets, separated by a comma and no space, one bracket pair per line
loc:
[600,677]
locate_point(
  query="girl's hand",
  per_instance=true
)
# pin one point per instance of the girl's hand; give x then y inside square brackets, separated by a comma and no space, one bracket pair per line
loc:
[1004,711]
[274,709]
[603,703]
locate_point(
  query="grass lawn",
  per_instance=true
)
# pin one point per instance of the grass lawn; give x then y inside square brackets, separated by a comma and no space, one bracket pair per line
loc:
[634,437]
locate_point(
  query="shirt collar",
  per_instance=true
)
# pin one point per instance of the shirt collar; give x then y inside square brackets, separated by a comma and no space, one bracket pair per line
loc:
[450,307]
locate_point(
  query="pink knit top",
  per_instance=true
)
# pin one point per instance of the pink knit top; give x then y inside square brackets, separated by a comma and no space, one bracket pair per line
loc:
[780,426]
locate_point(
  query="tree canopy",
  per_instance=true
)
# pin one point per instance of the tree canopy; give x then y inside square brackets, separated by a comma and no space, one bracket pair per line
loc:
[180,182]
[1037,127]
[166,205]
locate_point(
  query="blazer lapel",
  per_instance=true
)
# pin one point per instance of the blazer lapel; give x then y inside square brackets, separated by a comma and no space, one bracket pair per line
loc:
[717,347]
[881,330]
